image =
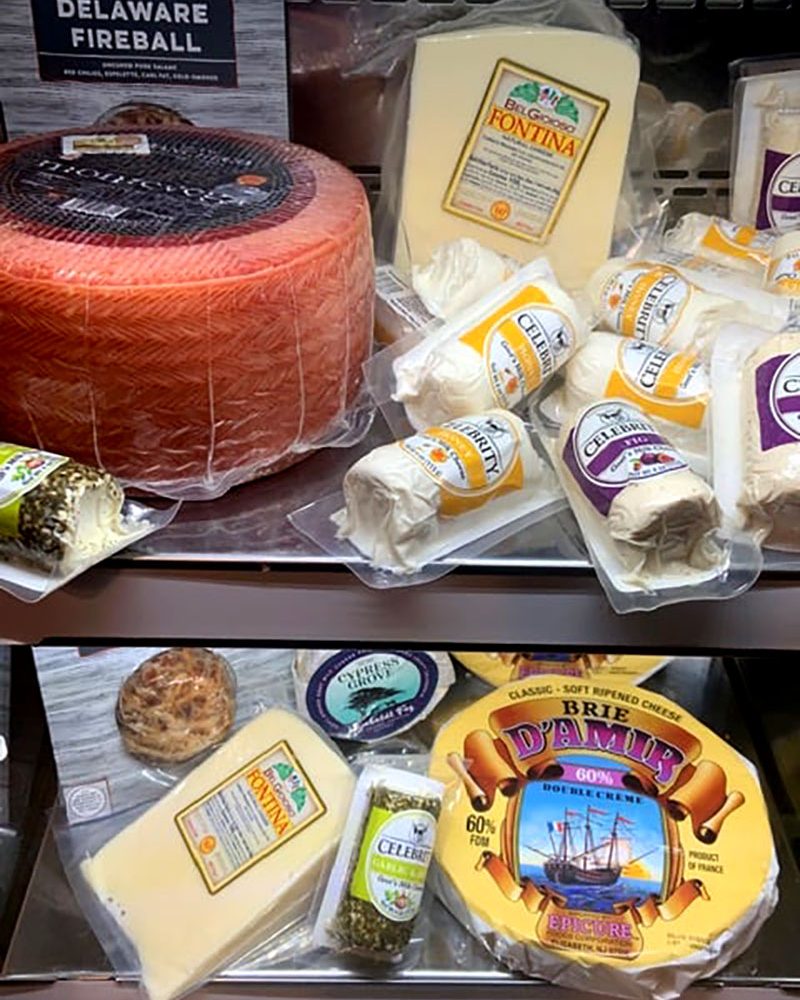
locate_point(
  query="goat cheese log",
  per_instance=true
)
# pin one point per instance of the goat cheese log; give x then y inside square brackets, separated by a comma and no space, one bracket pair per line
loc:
[653,506]
[655,302]
[771,485]
[188,308]
[494,355]
[54,513]
[670,386]
[410,502]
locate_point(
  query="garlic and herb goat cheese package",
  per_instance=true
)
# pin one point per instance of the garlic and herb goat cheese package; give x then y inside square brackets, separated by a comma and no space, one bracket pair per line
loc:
[756,433]
[493,354]
[650,523]
[410,510]
[599,836]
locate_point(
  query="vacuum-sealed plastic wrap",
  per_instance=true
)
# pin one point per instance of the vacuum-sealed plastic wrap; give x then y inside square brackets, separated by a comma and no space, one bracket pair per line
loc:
[399,311]
[501,668]
[765,160]
[741,248]
[451,491]
[599,836]
[369,695]
[168,285]
[650,523]
[653,301]
[58,518]
[176,705]
[534,148]
[783,274]
[153,715]
[756,433]
[671,387]
[493,354]
[459,274]
[223,860]
[377,885]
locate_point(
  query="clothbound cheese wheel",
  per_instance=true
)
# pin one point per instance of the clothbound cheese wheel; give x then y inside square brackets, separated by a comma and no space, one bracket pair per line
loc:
[187,308]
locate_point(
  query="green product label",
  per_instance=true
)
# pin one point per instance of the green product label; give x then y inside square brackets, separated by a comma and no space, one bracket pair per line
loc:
[21,470]
[393,861]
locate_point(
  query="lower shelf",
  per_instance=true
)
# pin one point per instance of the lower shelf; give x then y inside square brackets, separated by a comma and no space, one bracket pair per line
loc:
[53,944]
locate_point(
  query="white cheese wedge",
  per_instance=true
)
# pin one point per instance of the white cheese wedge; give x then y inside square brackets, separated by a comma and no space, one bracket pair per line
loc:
[771,483]
[227,856]
[411,502]
[517,137]
[494,354]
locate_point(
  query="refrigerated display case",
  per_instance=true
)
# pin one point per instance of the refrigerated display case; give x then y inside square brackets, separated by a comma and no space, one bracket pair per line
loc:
[233,571]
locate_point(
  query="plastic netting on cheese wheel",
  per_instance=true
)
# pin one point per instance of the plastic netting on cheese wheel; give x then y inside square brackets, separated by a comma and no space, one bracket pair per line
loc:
[186,308]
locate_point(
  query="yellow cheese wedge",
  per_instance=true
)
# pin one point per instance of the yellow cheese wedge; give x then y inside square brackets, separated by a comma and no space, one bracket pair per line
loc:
[228,856]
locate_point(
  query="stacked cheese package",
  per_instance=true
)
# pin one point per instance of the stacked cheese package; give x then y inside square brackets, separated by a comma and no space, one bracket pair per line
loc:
[186,308]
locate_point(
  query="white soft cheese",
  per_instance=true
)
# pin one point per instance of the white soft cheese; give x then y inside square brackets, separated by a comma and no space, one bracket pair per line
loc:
[741,248]
[494,354]
[459,273]
[771,483]
[670,386]
[411,502]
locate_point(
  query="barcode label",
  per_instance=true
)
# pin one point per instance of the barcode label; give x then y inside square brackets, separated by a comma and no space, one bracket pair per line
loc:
[388,282]
[86,206]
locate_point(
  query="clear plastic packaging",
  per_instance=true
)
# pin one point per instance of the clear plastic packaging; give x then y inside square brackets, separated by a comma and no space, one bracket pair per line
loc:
[369,695]
[196,304]
[494,353]
[399,311]
[199,696]
[376,887]
[459,274]
[520,197]
[409,510]
[678,300]
[223,862]
[502,668]
[741,248]
[765,159]
[651,525]
[600,837]
[671,387]
[756,433]
[176,705]
[58,518]
[783,270]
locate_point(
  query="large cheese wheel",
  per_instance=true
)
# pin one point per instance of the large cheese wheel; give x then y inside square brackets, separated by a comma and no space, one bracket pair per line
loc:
[187,308]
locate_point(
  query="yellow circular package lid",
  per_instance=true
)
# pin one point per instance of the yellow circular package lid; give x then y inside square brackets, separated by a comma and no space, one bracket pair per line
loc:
[600,836]
[500,668]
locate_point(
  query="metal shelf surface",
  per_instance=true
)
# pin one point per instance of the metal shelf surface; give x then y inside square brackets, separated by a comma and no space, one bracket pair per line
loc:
[235,570]
[52,940]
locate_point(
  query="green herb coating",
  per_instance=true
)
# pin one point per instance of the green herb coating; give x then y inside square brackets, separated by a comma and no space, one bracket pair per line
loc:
[48,513]
[360,927]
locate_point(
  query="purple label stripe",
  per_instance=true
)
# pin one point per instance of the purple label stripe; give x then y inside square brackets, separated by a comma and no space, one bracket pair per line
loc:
[771,433]
[789,404]
[614,449]
[591,774]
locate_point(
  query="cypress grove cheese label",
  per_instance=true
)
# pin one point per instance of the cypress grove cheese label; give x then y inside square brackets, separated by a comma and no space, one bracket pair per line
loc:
[588,825]
[500,668]
[369,695]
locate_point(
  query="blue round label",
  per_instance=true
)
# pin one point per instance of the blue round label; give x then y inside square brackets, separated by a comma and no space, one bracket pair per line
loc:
[371,695]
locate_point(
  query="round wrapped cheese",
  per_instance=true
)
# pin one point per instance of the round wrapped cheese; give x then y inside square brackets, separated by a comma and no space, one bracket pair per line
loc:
[599,836]
[500,668]
[187,308]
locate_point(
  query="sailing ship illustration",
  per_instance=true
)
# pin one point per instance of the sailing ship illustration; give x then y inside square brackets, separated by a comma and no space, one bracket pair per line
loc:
[599,862]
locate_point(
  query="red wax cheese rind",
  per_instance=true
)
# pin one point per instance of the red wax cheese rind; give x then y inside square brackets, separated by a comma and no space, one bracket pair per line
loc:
[189,317]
